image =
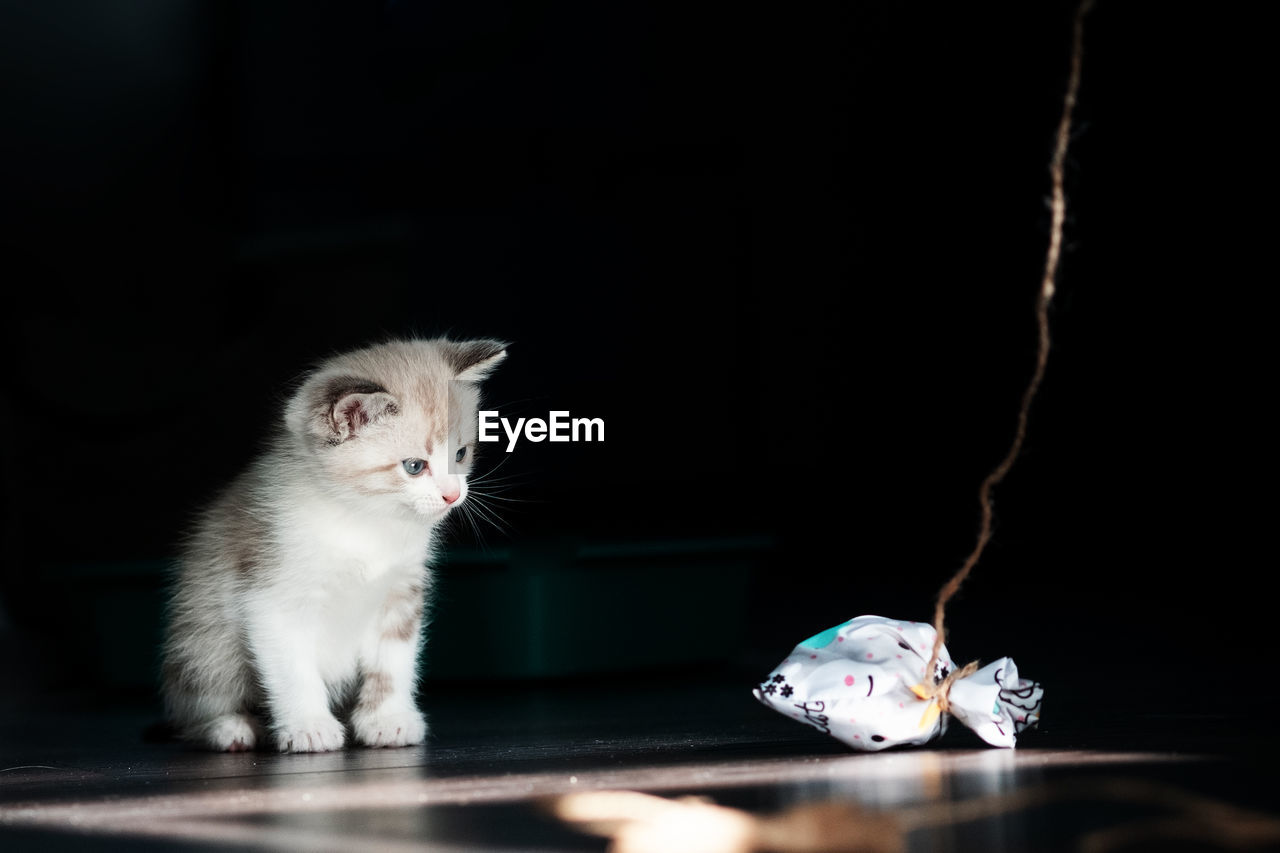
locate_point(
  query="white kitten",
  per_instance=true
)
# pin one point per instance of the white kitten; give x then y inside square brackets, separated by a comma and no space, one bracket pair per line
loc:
[303,585]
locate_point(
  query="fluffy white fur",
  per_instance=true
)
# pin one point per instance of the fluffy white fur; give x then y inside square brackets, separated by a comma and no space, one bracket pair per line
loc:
[300,595]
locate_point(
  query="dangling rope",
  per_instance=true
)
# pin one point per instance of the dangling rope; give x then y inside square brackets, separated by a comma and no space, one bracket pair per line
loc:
[1058,209]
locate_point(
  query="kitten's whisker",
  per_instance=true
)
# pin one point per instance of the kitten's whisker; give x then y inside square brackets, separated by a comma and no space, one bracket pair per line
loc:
[487,514]
[491,480]
[504,498]
[486,494]
[483,513]
[487,488]
[478,529]
[475,529]
[489,474]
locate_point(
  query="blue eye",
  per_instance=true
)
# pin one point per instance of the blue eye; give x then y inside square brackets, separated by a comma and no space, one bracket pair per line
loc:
[462,454]
[414,467]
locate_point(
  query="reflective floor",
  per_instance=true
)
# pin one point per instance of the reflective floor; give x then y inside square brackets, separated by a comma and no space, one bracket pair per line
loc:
[516,769]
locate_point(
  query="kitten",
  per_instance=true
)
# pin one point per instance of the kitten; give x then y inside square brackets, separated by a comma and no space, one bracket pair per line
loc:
[303,585]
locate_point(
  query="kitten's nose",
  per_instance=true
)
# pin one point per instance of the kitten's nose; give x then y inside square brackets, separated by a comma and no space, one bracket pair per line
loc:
[450,489]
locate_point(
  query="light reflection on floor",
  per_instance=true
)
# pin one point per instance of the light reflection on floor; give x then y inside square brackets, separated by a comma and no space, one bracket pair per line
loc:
[342,811]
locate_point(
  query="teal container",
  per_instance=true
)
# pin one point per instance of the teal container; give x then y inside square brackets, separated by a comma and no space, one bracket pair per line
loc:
[564,608]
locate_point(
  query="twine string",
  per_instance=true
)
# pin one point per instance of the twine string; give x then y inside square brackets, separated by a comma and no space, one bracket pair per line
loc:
[1048,284]
[942,690]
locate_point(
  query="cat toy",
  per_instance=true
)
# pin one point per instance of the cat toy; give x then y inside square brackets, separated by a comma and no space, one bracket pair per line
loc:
[874,682]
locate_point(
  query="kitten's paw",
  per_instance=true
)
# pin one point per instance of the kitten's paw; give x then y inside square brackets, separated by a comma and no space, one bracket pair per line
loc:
[232,733]
[318,734]
[390,728]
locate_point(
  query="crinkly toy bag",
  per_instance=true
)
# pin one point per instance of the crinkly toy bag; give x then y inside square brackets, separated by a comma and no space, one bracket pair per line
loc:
[864,682]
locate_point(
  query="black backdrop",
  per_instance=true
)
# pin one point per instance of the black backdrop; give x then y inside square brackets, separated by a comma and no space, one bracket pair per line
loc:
[788,254]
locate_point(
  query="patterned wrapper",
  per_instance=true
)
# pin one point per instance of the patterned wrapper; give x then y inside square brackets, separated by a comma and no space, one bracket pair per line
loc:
[863,683]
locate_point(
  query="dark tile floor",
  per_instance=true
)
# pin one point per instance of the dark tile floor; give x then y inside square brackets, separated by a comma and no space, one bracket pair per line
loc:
[86,778]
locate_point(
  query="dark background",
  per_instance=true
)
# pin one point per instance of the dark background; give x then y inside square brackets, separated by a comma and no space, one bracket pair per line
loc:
[789,254]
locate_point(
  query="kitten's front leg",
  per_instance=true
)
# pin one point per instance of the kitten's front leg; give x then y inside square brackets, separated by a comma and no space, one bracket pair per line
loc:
[386,713]
[285,651]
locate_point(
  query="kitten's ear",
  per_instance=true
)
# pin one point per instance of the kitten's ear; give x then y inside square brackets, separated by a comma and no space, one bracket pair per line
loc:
[472,361]
[343,407]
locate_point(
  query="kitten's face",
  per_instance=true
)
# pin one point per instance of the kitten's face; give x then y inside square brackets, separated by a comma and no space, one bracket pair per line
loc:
[416,458]
[399,434]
